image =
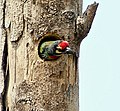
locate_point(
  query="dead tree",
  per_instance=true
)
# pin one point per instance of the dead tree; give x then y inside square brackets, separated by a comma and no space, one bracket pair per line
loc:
[28,83]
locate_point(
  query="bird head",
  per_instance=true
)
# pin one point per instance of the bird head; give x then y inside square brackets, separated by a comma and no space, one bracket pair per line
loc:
[63,47]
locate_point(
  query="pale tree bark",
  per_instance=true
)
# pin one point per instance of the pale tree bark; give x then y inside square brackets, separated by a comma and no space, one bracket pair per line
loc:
[28,83]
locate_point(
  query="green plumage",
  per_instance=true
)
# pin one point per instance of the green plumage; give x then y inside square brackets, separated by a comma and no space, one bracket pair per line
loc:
[52,50]
[48,50]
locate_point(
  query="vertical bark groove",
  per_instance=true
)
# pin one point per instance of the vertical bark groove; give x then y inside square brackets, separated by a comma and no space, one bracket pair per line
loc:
[4,63]
[5,71]
[4,8]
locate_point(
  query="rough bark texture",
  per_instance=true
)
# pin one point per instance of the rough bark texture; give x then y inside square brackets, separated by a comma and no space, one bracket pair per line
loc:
[27,82]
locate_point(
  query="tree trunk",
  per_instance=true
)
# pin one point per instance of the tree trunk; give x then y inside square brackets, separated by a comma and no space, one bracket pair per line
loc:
[27,82]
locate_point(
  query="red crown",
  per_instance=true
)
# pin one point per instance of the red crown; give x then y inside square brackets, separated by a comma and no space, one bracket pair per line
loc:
[64,44]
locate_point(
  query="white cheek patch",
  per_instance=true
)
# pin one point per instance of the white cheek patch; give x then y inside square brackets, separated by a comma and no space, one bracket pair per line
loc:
[58,52]
[58,47]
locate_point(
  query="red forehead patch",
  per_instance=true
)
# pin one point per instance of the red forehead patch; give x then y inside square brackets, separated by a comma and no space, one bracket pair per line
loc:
[64,44]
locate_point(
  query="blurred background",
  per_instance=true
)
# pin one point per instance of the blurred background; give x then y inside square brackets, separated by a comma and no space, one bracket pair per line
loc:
[99,61]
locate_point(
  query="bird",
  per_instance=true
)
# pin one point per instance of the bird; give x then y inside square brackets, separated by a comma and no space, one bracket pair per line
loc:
[52,50]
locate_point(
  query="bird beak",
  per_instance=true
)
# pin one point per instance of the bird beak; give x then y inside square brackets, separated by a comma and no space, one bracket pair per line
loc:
[68,51]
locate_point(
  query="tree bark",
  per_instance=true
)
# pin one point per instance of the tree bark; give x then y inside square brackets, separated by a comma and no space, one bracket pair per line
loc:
[27,82]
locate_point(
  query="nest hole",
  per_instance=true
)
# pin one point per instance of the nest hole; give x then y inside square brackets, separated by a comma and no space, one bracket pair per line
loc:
[45,38]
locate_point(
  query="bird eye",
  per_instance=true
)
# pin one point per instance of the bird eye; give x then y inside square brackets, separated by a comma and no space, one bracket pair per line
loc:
[60,49]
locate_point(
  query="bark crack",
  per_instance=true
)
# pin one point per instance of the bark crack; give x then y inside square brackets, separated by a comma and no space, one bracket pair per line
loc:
[4,8]
[5,67]
[4,93]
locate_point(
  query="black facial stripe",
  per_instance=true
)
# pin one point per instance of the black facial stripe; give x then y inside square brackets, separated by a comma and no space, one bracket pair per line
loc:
[60,50]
